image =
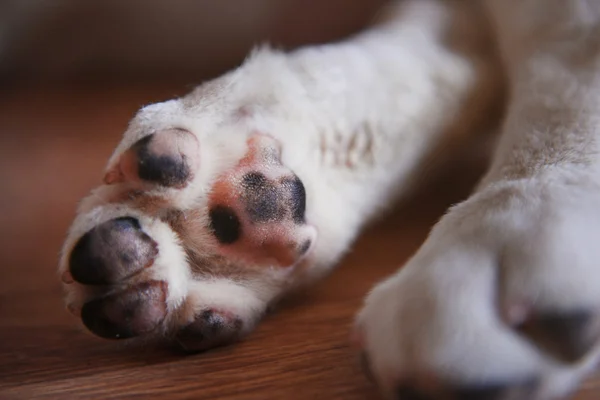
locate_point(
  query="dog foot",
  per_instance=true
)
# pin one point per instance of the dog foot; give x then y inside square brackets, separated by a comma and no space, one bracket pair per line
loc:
[501,302]
[188,239]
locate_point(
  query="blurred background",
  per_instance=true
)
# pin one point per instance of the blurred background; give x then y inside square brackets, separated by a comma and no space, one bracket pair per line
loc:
[141,41]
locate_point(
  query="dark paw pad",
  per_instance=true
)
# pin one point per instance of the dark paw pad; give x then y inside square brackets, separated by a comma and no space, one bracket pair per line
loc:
[210,329]
[262,198]
[111,252]
[521,390]
[484,392]
[164,169]
[225,224]
[133,312]
[407,392]
[567,336]
[168,158]
[297,197]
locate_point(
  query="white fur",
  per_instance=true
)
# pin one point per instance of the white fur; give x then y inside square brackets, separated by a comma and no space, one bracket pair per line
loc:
[526,240]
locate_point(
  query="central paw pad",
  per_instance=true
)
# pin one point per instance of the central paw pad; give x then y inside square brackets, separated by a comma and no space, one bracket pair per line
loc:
[257,209]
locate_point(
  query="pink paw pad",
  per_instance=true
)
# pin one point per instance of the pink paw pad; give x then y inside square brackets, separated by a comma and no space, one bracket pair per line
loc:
[257,210]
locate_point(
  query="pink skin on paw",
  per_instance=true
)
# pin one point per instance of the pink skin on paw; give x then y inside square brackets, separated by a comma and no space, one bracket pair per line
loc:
[260,195]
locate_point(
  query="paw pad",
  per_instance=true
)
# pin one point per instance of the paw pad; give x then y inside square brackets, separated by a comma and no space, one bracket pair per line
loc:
[133,312]
[168,158]
[225,224]
[210,329]
[257,210]
[567,336]
[111,252]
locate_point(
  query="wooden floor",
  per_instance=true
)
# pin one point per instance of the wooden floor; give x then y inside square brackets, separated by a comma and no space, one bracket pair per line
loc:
[53,146]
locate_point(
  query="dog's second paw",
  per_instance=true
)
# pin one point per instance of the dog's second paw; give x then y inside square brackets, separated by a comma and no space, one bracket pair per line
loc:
[191,236]
[502,301]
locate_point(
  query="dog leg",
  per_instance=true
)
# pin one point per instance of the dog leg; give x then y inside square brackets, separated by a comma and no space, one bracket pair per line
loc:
[216,204]
[502,301]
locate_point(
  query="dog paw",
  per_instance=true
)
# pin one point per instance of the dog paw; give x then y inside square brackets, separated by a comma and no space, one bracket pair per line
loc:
[501,302]
[189,238]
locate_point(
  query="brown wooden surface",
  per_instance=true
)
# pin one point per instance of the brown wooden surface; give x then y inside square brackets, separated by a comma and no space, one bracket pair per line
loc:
[53,146]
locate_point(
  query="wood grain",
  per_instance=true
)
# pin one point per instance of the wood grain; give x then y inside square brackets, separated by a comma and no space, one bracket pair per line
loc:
[53,147]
